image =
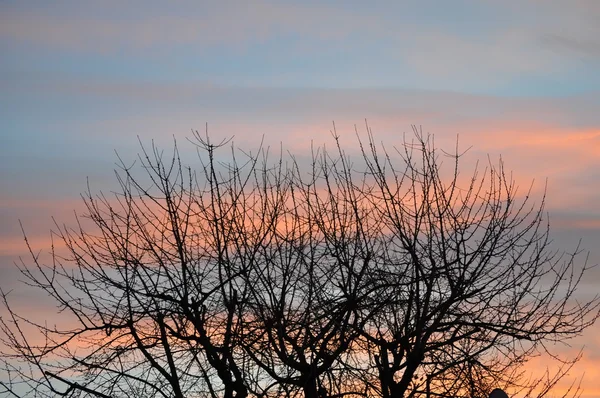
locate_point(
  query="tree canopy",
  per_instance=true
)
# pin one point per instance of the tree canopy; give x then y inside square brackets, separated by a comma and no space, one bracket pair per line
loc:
[386,273]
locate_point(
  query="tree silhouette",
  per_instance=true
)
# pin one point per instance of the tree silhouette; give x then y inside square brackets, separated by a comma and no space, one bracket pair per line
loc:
[386,274]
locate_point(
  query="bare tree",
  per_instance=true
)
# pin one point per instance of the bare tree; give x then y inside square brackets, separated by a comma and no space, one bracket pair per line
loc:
[372,275]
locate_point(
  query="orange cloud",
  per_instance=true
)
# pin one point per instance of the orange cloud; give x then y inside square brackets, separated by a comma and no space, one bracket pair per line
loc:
[586,371]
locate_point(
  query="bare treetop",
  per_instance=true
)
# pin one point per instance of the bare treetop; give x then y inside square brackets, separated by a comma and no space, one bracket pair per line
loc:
[389,274]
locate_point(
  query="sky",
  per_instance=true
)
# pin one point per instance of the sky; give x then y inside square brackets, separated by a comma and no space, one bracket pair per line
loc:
[81,80]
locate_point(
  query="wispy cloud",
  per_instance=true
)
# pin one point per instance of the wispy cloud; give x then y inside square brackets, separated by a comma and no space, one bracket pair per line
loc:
[142,26]
[386,45]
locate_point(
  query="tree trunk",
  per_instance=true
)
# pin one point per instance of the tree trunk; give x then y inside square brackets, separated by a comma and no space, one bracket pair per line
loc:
[310,388]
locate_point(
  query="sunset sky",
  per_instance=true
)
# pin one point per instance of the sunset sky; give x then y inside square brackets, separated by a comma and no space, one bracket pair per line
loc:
[80,80]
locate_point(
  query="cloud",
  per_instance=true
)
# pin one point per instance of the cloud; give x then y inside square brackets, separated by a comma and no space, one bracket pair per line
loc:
[586,370]
[388,45]
[538,137]
[588,47]
[143,26]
